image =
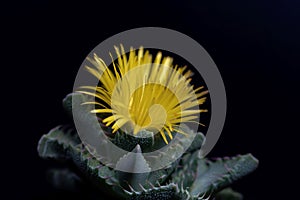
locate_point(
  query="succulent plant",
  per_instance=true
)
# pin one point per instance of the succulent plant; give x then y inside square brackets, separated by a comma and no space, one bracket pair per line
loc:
[135,99]
[191,177]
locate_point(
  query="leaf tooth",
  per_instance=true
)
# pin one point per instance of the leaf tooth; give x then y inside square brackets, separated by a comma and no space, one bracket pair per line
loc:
[127,192]
[181,186]
[227,168]
[226,158]
[109,164]
[152,186]
[228,178]
[207,198]
[221,179]
[176,186]
[157,182]
[131,188]
[162,177]
[202,197]
[142,187]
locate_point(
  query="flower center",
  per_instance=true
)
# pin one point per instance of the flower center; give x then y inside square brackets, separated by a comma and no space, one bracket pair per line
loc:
[149,107]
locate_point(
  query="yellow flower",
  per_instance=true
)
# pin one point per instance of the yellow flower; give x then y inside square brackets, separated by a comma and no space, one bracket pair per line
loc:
[139,93]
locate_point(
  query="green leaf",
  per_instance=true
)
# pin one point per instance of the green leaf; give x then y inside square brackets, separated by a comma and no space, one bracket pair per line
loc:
[67,104]
[129,142]
[62,144]
[197,142]
[203,176]
[165,192]
[213,176]
[57,143]
[191,177]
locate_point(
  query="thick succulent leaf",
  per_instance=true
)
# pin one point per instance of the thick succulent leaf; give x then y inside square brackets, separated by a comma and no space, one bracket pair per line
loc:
[60,144]
[129,142]
[197,178]
[63,144]
[67,104]
[212,176]
[203,176]
[197,142]
[138,181]
[133,161]
[165,192]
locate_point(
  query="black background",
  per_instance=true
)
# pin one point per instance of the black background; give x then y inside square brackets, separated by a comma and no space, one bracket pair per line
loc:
[255,45]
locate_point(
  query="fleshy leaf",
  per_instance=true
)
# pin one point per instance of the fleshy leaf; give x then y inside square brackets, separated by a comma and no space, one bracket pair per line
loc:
[57,143]
[197,142]
[165,192]
[61,144]
[129,142]
[213,176]
[203,176]
[187,178]
[133,169]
